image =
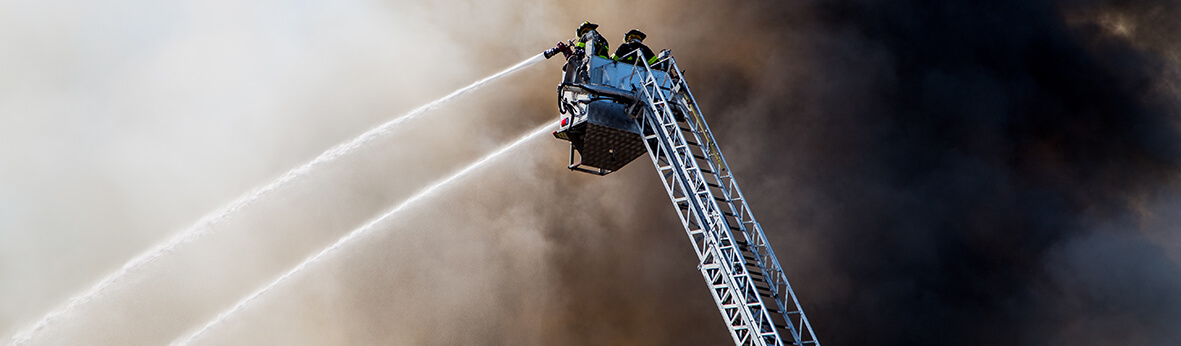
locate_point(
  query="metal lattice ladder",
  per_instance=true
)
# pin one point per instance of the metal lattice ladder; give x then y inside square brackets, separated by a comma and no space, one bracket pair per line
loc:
[744,276]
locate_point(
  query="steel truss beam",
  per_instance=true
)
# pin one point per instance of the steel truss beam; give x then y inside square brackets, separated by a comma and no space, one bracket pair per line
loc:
[745,279]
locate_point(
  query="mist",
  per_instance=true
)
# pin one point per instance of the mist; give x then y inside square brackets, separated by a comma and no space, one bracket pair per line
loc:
[928,173]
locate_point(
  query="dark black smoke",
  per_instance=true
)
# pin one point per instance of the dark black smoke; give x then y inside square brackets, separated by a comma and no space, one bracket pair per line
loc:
[938,151]
[931,172]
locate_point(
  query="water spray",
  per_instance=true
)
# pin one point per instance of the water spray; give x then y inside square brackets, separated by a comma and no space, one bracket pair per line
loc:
[206,223]
[363,230]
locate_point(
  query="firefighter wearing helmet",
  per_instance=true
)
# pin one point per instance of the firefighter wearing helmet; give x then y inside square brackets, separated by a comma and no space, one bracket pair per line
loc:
[587,33]
[633,40]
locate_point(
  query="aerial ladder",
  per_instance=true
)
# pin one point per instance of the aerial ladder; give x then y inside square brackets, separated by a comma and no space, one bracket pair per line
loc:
[613,112]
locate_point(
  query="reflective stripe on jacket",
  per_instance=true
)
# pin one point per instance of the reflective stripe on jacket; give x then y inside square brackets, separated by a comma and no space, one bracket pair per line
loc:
[600,44]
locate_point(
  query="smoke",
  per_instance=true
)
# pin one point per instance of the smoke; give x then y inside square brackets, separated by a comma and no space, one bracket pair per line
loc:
[130,122]
[929,172]
[968,172]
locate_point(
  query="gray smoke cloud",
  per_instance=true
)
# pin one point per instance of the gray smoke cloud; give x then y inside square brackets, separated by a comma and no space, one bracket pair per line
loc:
[928,173]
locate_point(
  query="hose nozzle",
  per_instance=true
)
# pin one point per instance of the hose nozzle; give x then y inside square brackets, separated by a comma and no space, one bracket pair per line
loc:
[560,48]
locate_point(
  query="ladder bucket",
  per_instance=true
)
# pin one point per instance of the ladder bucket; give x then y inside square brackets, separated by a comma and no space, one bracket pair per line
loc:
[609,138]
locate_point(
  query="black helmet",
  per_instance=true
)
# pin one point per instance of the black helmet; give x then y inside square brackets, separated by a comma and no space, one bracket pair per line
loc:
[586,26]
[639,35]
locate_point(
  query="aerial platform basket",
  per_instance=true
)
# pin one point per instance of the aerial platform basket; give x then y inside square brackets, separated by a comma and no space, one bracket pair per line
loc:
[598,102]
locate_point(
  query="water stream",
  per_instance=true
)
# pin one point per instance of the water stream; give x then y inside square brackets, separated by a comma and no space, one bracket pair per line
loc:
[206,223]
[363,230]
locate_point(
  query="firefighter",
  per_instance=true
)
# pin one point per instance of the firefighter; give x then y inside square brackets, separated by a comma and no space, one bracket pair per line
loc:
[633,40]
[587,33]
